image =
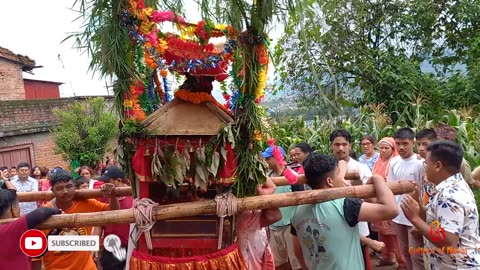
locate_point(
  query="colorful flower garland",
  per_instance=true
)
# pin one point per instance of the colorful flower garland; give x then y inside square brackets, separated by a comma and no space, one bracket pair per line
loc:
[199,98]
[188,52]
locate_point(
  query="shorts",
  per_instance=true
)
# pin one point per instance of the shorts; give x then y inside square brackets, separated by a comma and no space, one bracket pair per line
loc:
[282,247]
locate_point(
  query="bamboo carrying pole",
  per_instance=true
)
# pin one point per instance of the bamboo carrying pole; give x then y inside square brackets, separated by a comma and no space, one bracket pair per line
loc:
[208,207]
[82,194]
[126,191]
[282,181]
[79,194]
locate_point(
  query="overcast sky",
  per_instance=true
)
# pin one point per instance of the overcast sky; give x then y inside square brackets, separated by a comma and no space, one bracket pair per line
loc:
[36,28]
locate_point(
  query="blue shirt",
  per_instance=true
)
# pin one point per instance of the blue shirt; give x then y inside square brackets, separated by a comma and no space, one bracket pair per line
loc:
[369,162]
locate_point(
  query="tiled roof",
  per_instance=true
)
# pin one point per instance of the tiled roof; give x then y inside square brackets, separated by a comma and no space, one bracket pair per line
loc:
[26,63]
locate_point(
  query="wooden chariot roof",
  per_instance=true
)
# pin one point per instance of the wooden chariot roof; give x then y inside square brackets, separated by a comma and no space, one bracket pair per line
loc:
[181,118]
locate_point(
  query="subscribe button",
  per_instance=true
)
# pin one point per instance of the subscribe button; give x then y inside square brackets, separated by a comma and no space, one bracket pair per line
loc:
[73,243]
[33,243]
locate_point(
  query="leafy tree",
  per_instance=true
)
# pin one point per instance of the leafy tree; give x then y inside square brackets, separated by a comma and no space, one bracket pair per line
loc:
[361,52]
[85,131]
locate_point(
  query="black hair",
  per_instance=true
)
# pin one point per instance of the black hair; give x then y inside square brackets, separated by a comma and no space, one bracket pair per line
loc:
[13,167]
[3,168]
[43,171]
[23,164]
[426,133]
[305,147]
[370,138]
[318,167]
[80,181]
[59,176]
[7,198]
[352,154]
[449,153]
[340,133]
[404,134]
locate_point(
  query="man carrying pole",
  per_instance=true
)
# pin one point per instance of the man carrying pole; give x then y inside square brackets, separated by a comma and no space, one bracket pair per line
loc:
[64,191]
[322,230]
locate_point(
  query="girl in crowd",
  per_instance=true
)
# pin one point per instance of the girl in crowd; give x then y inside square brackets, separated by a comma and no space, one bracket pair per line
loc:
[302,150]
[43,183]
[385,229]
[36,173]
[87,172]
[369,156]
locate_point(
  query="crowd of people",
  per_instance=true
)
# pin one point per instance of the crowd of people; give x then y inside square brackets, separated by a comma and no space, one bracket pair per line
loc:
[434,227]
[24,178]
[331,235]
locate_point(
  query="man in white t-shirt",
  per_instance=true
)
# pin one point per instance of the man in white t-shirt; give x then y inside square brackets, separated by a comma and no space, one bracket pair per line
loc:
[341,142]
[407,166]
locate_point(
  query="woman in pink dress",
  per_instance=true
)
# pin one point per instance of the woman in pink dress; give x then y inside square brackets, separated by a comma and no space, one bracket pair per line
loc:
[385,229]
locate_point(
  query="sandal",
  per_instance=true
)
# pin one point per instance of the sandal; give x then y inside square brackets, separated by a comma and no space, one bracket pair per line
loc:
[385,263]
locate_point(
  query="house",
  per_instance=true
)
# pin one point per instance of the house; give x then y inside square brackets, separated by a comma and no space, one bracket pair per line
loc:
[26,115]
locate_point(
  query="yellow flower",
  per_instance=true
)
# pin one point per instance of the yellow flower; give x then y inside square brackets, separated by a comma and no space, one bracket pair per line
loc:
[187,32]
[128,103]
[146,27]
[148,11]
[257,135]
[162,46]
[262,83]
[221,27]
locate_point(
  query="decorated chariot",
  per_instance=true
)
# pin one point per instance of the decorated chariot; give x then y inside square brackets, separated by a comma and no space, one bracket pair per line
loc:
[195,161]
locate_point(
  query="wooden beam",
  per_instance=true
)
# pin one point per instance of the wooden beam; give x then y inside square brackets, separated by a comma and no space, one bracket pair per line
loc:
[282,181]
[80,194]
[208,207]
[126,191]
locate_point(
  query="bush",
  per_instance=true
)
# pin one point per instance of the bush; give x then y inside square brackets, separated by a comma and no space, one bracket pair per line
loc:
[85,131]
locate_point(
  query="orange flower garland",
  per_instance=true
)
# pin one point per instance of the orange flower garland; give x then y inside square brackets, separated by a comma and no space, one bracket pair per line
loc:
[158,85]
[199,98]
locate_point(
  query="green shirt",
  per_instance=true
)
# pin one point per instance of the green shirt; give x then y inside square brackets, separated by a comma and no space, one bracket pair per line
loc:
[287,212]
[328,242]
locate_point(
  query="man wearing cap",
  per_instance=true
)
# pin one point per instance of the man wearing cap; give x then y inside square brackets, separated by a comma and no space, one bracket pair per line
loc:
[280,236]
[108,260]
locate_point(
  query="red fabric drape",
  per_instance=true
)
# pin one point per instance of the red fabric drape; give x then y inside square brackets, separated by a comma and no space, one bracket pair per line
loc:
[228,258]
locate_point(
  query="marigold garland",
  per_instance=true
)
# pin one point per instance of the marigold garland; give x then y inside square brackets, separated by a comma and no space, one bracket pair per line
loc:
[158,85]
[261,83]
[199,98]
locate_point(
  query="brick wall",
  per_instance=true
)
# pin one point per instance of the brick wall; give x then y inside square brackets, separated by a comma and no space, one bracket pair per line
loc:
[43,148]
[11,81]
[30,116]
[29,122]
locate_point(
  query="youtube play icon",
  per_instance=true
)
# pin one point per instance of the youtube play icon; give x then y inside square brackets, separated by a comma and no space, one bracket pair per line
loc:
[33,243]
